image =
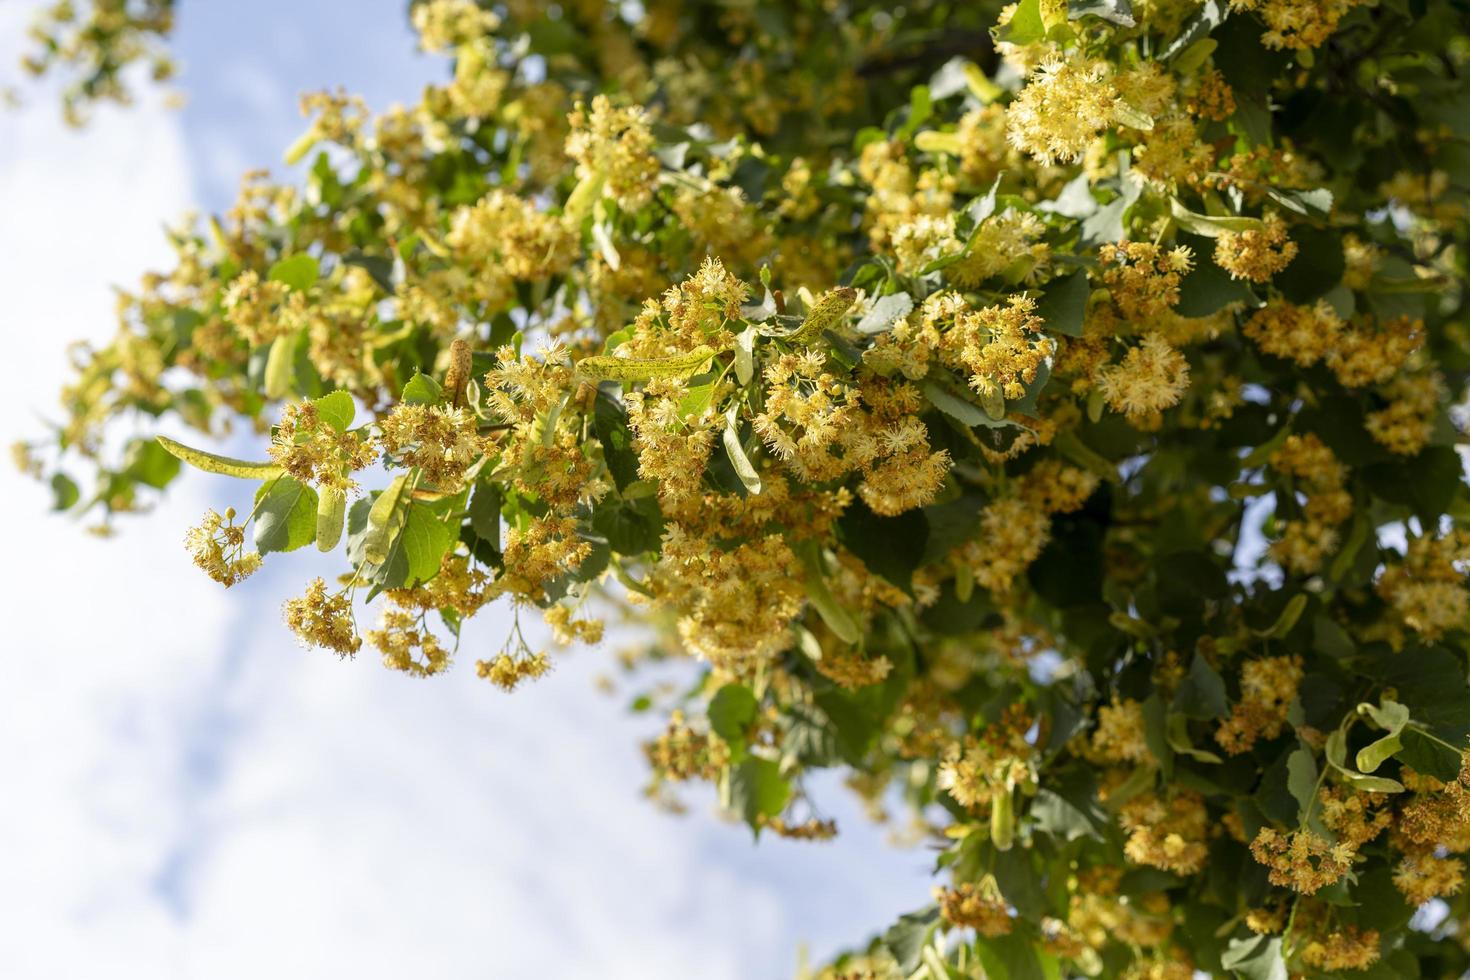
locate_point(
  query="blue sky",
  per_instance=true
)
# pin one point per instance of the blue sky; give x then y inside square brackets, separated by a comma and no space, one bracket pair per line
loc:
[189,794]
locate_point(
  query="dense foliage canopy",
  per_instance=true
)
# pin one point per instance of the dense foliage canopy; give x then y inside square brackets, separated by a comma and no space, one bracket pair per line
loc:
[1042,414]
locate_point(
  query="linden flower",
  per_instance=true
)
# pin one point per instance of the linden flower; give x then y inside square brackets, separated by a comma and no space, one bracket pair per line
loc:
[217,545]
[1143,279]
[680,753]
[1404,427]
[407,645]
[323,620]
[1297,24]
[443,442]
[614,145]
[1346,948]
[1422,877]
[1171,834]
[1063,107]
[313,451]
[980,907]
[1005,244]
[1427,588]
[1301,860]
[1119,734]
[1256,254]
[448,23]
[1267,687]
[507,672]
[1151,378]
[1000,347]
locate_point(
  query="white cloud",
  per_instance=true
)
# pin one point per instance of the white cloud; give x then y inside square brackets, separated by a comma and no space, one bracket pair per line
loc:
[188,794]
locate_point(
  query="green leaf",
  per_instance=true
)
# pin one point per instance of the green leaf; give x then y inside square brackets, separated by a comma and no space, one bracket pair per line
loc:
[151,464]
[424,541]
[1255,958]
[1025,26]
[1428,755]
[423,390]
[331,515]
[833,613]
[280,366]
[1290,613]
[1301,779]
[744,358]
[731,711]
[1375,754]
[285,516]
[385,520]
[65,492]
[224,465]
[965,412]
[1201,694]
[907,937]
[743,467]
[1063,304]
[1208,225]
[336,409]
[610,367]
[1208,289]
[892,547]
[1067,808]
[758,790]
[300,272]
[1387,714]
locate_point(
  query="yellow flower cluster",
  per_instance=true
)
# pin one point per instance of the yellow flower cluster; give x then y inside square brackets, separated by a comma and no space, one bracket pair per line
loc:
[261,311]
[1345,948]
[566,630]
[1012,533]
[546,549]
[313,451]
[1423,876]
[1301,860]
[1119,734]
[680,753]
[1007,245]
[323,620]
[1268,685]
[673,443]
[1064,106]
[217,545]
[1405,425]
[503,238]
[408,645]
[1172,154]
[980,907]
[1143,279]
[977,770]
[1170,832]
[1427,588]
[1297,24]
[1305,544]
[1000,347]
[735,605]
[1361,354]
[1256,254]
[1151,377]
[507,672]
[614,147]
[445,24]
[443,442]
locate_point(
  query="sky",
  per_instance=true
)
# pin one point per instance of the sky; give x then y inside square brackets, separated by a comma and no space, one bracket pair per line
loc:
[186,792]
